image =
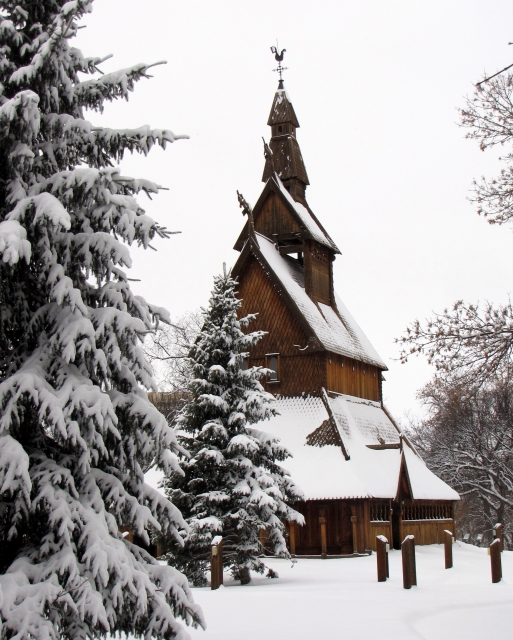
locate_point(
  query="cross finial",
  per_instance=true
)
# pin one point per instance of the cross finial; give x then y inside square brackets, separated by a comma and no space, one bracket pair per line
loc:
[279,59]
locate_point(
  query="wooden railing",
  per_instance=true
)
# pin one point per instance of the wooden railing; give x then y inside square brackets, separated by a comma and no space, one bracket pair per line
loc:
[439,511]
[380,511]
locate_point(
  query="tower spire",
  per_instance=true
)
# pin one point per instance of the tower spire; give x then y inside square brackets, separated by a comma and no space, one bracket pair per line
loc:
[285,159]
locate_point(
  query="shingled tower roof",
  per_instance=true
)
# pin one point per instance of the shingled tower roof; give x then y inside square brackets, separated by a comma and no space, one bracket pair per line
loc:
[287,160]
[282,110]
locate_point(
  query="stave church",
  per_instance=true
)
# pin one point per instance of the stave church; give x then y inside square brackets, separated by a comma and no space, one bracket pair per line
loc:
[360,475]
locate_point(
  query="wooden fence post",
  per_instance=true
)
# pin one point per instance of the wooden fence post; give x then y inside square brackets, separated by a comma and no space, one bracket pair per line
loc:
[413,565]
[448,548]
[497,533]
[216,562]
[408,557]
[495,560]
[382,558]
[324,540]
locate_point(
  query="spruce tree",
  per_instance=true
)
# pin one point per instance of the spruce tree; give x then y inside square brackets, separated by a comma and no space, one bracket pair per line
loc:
[232,484]
[76,428]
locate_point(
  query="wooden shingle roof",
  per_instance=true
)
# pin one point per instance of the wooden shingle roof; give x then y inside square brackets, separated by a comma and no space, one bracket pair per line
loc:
[282,110]
[287,160]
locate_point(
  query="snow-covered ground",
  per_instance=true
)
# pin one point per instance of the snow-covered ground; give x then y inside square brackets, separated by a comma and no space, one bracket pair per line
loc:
[341,599]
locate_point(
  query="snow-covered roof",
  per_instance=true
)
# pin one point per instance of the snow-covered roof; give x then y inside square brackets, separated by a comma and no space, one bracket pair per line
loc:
[424,484]
[337,332]
[324,473]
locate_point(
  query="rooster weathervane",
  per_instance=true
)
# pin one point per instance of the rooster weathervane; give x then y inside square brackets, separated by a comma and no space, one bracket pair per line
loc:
[279,59]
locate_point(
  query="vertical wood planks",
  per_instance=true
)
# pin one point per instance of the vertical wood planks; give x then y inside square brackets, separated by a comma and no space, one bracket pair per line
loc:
[354,524]
[354,378]
[292,537]
[324,537]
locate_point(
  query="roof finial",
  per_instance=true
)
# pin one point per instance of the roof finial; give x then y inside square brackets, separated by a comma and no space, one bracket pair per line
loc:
[279,59]
[268,154]
[246,211]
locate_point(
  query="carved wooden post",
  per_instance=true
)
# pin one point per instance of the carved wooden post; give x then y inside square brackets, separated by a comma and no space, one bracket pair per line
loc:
[216,562]
[382,558]
[497,533]
[354,521]
[408,557]
[324,539]
[448,549]
[495,560]
[292,537]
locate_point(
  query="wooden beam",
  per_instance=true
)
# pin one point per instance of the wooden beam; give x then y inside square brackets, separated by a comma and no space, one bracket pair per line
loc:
[292,537]
[324,538]
[291,248]
[354,523]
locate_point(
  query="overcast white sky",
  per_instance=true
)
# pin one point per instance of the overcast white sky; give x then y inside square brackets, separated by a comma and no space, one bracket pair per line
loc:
[375,86]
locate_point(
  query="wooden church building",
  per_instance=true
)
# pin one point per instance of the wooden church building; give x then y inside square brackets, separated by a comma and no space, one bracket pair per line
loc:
[361,477]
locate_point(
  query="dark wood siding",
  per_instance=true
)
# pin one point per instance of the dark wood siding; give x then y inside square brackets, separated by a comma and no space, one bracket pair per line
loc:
[318,272]
[352,377]
[339,527]
[299,372]
[274,218]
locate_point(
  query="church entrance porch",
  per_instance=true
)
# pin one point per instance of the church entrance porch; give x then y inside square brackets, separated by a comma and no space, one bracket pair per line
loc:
[329,529]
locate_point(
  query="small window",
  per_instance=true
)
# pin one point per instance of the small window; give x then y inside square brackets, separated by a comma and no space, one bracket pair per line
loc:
[273,363]
[280,129]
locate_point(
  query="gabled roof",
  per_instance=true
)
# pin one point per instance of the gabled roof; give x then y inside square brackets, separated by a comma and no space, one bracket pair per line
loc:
[331,330]
[321,469]
[305,218]
[282,110]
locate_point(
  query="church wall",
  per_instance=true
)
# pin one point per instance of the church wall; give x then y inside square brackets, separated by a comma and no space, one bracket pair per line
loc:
[353,378]
[312,368]
[318,272]
[298,372]
[274,218]
[434,518]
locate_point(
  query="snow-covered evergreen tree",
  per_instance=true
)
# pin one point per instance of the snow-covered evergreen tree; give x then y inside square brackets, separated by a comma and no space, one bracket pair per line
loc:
[76,428]
[232,485]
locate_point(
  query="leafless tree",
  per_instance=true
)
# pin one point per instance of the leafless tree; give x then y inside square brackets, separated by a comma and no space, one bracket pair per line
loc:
[168,348]
[465,343]
[467,439]
[468,342]
[489,117]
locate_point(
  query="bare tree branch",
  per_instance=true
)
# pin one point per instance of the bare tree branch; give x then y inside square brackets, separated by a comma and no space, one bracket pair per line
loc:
[467,439]
[168,348]
[465,343]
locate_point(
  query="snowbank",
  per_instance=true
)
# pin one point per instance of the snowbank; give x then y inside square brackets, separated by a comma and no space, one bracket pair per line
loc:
[342,599]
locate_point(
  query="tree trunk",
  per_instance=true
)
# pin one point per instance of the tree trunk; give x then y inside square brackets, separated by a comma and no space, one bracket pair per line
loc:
[245,575]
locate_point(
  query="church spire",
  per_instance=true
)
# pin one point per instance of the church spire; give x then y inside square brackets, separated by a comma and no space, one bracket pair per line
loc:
[287,160]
